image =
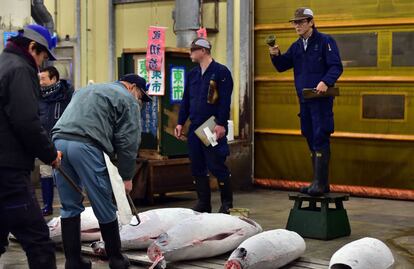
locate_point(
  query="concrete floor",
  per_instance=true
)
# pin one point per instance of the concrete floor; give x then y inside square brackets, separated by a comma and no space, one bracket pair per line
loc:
[388,220]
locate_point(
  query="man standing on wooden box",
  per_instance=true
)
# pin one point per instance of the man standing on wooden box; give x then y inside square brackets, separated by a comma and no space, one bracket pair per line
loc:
[316,63]
[198,105]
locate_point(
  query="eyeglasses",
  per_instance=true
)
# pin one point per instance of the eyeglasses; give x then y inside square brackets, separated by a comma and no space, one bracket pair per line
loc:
[300,23]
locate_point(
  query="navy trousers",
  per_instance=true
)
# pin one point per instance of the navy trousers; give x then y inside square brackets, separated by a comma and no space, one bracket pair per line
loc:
[317,122]
[204,159]
[21,215]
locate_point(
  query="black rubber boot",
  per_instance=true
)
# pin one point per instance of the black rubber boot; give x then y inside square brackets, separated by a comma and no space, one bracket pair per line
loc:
[305,189]
[226,195]
[321,183]
[4,239]
[47,195]
[2,250]
[72,244]
[202,185]
[110,235]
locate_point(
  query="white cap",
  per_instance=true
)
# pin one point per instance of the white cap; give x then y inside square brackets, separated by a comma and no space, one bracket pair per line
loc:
[201,42]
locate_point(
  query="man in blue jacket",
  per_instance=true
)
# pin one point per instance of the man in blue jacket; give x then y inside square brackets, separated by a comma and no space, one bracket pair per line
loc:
[198,107]
[55,95]
[316,63]
[100,118]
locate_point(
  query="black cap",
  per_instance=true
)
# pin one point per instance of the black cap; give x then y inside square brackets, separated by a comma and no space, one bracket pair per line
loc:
[141,84]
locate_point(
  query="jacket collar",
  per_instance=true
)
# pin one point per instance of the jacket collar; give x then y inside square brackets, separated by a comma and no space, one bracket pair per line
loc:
[315,35]
[11,47]
[211,66]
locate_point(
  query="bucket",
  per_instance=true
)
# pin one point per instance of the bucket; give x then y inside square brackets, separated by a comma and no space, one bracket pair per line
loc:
[240,212]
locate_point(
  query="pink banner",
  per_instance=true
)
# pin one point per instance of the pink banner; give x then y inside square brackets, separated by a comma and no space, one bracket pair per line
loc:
[202,32]
[155,48]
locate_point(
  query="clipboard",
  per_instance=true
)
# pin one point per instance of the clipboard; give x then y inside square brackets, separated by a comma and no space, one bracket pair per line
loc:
[310,93]
[210,124]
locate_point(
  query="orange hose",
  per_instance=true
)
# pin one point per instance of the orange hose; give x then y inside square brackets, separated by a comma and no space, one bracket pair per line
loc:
[362,191]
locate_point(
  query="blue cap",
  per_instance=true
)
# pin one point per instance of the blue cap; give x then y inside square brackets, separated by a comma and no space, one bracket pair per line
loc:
[141,84]
[41,35]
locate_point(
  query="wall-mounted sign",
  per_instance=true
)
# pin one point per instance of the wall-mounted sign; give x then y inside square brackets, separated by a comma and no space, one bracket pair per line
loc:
[177,83]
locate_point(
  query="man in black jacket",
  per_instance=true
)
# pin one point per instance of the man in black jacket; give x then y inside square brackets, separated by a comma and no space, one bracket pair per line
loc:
[22,138]
[55,95]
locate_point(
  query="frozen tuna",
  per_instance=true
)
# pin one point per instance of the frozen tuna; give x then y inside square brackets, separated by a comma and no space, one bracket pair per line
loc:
[89,227]
[202,236]
[268,250]
[362,254]
[153,223]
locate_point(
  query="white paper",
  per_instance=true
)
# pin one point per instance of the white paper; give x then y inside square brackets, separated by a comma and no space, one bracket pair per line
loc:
[210,136]
[230,133]
[118,188]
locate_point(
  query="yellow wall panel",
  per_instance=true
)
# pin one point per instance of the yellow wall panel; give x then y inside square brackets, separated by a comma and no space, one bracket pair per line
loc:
[279,150]
[277,11]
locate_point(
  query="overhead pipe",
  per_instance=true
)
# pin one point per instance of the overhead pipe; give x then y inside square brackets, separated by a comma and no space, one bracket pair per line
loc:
[111,41]
[78,64]
[187,20]
[42,16]
[230,35]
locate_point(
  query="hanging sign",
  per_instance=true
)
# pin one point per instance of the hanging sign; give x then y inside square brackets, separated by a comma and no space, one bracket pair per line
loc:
[155,48]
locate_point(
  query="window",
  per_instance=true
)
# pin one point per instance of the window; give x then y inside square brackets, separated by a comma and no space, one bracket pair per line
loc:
[403,49]
[358,50]
[383,106]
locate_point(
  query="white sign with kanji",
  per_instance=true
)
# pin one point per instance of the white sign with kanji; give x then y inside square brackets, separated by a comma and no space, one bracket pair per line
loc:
[156,79]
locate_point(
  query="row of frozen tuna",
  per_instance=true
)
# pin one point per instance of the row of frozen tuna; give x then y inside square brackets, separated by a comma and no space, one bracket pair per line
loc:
[176,234]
